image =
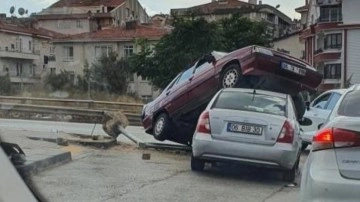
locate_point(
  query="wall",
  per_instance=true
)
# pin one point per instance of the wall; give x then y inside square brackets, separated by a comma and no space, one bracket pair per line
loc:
[353,59]
[291,44]
[350,11]
[68,26]
[120,14]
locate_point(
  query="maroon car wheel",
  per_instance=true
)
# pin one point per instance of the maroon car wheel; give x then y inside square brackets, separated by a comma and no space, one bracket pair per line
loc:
[161,127]
[230,76]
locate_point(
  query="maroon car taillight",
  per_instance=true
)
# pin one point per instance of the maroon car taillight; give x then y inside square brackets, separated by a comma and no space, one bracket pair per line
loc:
[328,138]
[203,125]
[287,133]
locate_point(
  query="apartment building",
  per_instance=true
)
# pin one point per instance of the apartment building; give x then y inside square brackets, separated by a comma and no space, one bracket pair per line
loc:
[74,51]
[23,53]
[79,16]
[332,40]
[279,23]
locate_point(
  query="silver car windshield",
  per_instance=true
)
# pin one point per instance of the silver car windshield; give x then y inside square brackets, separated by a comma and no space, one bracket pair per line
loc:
[251,102]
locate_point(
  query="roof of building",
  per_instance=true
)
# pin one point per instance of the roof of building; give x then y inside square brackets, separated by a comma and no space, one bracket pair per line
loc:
[118,34]
[302,8]
[42,33]
[287,36]
[72,16]
[81,3]
[227,6]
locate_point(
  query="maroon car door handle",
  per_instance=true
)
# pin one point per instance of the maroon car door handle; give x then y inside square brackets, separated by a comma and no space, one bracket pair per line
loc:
[167,93]
[191,78]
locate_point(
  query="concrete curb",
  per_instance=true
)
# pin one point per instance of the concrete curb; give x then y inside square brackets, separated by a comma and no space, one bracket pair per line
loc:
[36,166]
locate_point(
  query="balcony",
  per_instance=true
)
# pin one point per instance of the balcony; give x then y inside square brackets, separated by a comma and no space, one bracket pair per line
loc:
[11,53]
[320,55]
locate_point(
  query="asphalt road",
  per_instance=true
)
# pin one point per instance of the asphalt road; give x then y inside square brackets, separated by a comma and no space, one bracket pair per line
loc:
[120,174]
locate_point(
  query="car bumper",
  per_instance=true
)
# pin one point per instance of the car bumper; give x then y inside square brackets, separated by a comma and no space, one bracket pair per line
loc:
[279,155]
[321,180]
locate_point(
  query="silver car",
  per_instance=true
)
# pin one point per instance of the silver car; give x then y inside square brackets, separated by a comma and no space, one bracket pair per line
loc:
[248,126]
[332,170]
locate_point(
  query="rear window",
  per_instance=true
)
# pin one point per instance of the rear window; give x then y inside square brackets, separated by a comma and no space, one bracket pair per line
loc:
[350,105]
[251,102]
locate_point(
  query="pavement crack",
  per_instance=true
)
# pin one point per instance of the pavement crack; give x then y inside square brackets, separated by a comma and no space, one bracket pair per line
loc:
[151,182]
[274,193]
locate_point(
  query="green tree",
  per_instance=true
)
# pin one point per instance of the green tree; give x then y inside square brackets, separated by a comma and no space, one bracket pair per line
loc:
[62,81]
[5,85]
[238,32]
[191,39]
[188,41]
[110,74]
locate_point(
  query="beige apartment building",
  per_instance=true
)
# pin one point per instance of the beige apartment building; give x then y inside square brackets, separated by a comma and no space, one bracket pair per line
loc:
[73,52]
[279,23]
[78,16]
[291,44]
[22,53]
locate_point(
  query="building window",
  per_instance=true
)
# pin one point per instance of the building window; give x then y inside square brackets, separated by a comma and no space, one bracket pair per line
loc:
[333,41]
[32,70]
[128,51]
[332,71]
[330,13]
[53,70]
[68,53]
[19,69]
[30,46]
[79,24]
[103,50]
[127,12]
[52,50]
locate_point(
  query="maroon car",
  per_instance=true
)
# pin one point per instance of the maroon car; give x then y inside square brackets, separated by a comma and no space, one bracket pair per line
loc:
[173,115]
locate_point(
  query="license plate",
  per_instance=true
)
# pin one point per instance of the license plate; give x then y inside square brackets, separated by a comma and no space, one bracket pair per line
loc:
[244,128]
[294,69]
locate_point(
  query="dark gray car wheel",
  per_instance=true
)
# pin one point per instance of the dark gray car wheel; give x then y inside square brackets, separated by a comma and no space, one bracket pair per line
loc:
[304,146]
[161,127]
[197,164]
[230,76]
[289,175]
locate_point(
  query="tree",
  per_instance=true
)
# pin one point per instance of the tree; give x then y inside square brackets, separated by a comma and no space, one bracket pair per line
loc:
[191,39]
[110,74]
[188,41]
[238,32]
[60,81]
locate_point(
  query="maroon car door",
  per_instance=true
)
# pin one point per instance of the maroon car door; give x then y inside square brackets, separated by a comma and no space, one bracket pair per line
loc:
[177,96]
[202,84]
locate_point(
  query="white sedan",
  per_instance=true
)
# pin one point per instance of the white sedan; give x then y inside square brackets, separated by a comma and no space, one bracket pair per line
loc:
[318,112]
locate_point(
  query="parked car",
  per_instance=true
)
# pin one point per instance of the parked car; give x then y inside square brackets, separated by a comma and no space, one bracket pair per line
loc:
[248,126]
[332,170]
[318,112]
[173,115]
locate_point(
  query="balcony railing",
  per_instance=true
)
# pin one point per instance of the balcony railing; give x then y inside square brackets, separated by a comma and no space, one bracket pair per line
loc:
[16,53]
[335,18]
[320,50]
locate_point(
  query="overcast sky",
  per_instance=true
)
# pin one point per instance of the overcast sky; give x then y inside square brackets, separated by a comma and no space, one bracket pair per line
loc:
[152,6]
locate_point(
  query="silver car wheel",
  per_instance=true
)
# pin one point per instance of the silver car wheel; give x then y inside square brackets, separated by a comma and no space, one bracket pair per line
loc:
[230,78]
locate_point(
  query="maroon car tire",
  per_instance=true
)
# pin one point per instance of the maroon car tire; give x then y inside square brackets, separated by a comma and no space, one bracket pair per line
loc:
[161,127]
[230,76]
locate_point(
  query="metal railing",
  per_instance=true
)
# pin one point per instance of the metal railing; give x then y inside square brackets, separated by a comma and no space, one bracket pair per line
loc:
[80,110]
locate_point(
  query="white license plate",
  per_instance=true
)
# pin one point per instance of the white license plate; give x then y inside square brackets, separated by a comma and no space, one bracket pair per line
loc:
[294,69]
[244,128]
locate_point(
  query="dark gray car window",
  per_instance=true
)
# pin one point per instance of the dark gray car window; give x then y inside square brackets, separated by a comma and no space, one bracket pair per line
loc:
[350,105]
[251,102]
[334,99]
[186,75]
